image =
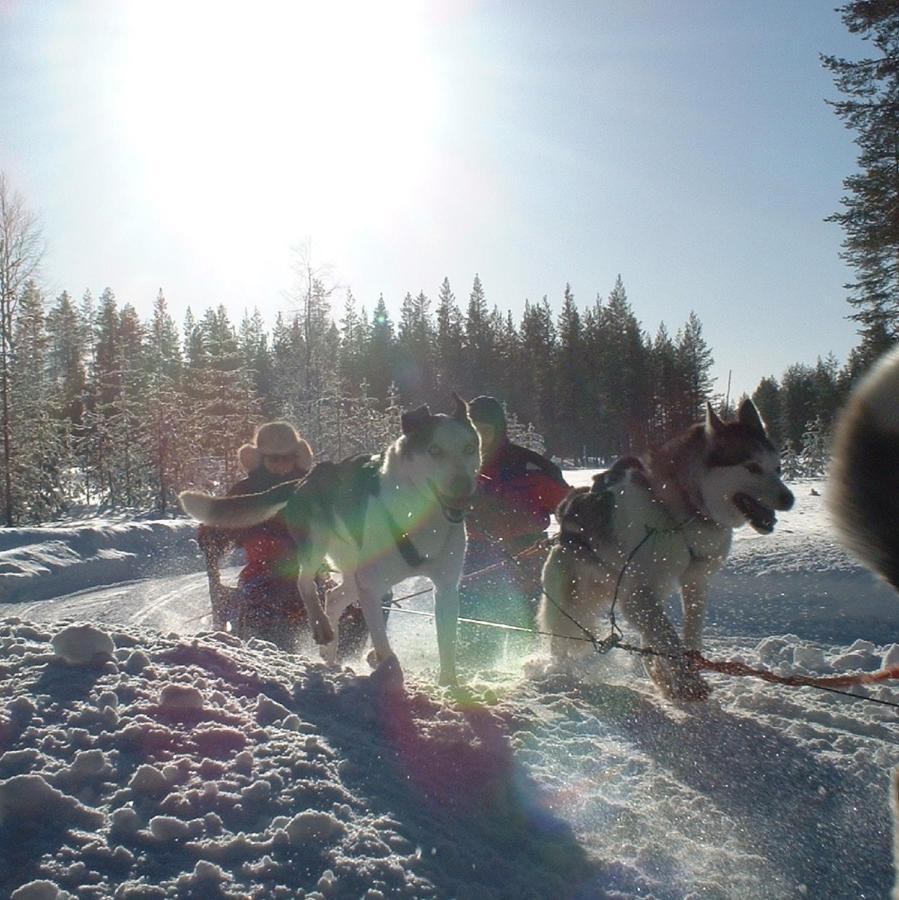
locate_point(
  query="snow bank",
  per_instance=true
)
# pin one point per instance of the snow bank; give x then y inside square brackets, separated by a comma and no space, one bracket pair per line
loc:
[37,563]
[223,769]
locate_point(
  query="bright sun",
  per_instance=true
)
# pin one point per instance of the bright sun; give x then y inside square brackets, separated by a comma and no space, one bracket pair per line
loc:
[277,117]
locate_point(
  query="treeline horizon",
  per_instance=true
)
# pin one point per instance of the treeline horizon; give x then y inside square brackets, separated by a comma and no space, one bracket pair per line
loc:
[112,411]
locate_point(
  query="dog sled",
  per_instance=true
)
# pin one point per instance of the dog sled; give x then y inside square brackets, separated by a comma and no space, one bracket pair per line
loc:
[265,608]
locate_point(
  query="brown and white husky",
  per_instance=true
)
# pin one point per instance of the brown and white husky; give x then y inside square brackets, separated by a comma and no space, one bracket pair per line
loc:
[658,523]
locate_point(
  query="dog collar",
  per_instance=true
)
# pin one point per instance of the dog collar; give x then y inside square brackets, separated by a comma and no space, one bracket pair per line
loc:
[403,542]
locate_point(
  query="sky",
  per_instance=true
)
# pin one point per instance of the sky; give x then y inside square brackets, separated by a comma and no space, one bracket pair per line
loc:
[208,148]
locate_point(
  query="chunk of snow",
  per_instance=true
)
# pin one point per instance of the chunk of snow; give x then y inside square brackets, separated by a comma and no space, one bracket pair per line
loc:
[29,798]
[180,696]
[81,645]
[148,780]
[269,711]
[39,890]
[314,826]
[168,828]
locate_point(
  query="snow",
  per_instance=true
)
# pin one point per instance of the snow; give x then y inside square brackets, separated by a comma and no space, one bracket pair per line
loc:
[143,757]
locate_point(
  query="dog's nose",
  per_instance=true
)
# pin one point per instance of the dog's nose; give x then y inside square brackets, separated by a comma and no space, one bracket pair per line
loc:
[786,500]
[461,486]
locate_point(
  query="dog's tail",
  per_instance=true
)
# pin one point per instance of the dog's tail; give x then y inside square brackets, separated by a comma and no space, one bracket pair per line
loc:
[863,493]
[240,511]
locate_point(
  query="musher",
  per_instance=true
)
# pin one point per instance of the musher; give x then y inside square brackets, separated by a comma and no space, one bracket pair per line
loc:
[267,603]
[518,491]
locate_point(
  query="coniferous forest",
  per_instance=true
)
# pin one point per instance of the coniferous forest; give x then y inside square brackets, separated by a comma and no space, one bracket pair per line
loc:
[105,410]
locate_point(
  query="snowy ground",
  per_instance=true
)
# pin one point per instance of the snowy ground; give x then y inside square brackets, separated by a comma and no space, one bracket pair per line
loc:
[181,763]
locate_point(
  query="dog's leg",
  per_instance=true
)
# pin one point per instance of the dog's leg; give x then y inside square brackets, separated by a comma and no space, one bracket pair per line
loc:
[694,594]
[645,611]
[370,603]
[446,618]
[322,633]
[338,599]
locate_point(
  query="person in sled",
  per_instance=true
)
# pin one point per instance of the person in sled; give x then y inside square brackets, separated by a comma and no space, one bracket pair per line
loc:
[267,602]
[518,491]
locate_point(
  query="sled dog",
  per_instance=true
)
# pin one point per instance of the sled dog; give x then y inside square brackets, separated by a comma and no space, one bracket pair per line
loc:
[652,524]
[377,520]
[863,491]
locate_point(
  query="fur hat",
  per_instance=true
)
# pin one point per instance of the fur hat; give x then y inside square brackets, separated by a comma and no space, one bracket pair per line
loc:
[278,439]
[489,411]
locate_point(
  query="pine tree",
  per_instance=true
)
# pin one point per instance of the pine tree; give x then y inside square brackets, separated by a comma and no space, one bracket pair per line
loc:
[695,361]
[252,342]
[539,346]
[870,215]
[448,352]
[797,402]
[815,455]
[666,388]
[766,398]
[478,352]
[379,363]
[415,341]
[40,461]
[166,421]
[571,380]
[21,249]
[66,356]
[222,400]
[624,374]
[352,346]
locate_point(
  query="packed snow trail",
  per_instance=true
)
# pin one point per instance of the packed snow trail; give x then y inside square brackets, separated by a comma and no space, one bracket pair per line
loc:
[763,791]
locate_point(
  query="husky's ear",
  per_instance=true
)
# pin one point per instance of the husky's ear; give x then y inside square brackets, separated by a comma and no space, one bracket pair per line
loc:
[460,411]
[415,418]
[749,417]
[713,423]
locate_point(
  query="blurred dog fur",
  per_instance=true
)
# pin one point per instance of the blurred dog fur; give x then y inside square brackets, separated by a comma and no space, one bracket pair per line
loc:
[863,491]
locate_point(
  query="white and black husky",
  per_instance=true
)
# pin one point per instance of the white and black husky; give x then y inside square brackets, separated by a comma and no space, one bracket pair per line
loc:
[377,520]
[653,524]
[863,489]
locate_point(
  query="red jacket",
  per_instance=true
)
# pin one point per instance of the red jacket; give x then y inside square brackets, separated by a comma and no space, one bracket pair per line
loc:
[518,490]
[270,551]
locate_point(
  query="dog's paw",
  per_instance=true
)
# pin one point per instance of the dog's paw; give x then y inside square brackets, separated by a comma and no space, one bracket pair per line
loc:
[374,660]
[388,672]
[328,653]
[690,687]
[322,632]
[678,683]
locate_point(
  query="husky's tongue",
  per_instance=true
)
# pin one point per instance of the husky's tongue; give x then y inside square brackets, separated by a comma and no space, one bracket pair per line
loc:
[759,516]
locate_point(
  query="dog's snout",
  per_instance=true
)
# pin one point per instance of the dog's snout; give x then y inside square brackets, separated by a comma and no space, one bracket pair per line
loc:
[786,500]
[461,486]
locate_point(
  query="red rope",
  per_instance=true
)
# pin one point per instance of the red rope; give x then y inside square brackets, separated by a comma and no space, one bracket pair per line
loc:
[738,669]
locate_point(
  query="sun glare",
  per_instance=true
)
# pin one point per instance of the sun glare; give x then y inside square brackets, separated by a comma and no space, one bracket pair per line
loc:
[290,118]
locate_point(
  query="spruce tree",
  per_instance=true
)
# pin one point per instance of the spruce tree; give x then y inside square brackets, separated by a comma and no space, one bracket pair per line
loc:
[448,352]
[379,357]
[767,400]
[695,361]
[40,461]
[66,357]
[572,400]
[870,214]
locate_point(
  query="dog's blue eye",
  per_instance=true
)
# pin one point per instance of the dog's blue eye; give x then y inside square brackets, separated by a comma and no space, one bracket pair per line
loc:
[435,451]
[470,449]
[754,468]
